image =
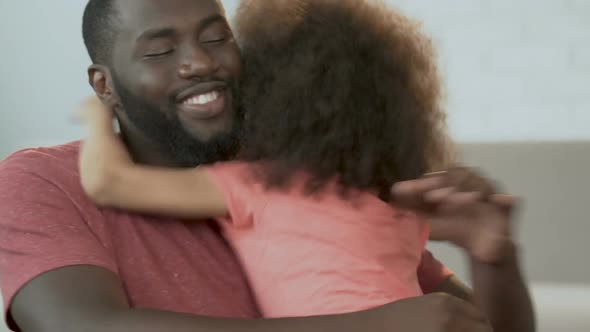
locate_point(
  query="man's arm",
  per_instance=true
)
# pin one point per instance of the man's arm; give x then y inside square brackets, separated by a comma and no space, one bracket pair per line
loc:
[509,309]
[464,211]
[91,299]
[87,298]
[499,290]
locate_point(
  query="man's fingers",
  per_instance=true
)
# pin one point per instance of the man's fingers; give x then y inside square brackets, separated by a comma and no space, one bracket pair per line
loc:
[455,187]
[504,200]
[433,174]
[416,187]
[507,203]
[477,183]
[439,195]
[410,194]
[469,179]
[439,230]
[419,185]
[464,198]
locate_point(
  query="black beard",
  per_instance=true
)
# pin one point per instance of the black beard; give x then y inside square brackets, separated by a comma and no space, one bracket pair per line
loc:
[171,139]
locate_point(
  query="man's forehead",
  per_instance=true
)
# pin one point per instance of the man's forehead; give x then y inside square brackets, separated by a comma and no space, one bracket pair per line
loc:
[149,14]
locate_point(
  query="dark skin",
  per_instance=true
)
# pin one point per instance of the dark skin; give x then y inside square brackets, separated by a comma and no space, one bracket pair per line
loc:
[163,50]
[86,298]
[464,209]
[91,299]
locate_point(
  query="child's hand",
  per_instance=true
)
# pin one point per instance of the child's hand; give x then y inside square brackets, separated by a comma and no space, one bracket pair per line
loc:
[103,152]
[462,208]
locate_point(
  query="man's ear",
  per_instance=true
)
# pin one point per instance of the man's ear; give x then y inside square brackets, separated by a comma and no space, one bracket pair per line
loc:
[100,79]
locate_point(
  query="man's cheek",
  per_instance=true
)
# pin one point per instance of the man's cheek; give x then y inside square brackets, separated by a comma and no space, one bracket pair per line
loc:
[152,82]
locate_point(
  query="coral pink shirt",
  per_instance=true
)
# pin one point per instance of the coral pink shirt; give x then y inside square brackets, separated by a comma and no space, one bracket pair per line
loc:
[323,255]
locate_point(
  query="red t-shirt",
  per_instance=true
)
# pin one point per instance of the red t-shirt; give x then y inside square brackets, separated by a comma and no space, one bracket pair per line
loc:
[46,223]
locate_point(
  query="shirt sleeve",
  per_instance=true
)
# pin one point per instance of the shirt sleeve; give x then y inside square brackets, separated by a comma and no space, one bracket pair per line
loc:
[432,273]
[41,226]
[243,195]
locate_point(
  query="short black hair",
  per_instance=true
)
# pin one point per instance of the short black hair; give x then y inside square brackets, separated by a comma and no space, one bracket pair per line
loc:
[99,29]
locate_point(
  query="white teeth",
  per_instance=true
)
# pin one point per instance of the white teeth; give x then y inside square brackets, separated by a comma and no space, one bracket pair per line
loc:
[202,99]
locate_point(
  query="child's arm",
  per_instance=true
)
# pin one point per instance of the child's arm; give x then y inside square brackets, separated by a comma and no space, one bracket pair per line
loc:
[111,178]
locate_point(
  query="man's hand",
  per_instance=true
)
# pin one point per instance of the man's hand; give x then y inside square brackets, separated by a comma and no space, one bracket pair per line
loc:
[462,208]
[103,152]
[431,313]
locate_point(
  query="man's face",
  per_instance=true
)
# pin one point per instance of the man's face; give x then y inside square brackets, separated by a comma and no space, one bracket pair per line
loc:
[175,68]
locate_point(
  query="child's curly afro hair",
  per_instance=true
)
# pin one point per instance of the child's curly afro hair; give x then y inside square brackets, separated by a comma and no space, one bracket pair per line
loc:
[342,89]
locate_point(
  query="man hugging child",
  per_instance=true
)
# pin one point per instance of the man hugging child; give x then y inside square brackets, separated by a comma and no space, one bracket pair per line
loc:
[339,100]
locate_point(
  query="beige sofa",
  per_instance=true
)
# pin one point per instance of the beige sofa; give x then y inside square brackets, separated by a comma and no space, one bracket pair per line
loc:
[554,182]
[554,226]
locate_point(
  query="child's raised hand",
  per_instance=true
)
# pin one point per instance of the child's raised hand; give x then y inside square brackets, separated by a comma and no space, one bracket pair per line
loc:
[103,152]
[463,208]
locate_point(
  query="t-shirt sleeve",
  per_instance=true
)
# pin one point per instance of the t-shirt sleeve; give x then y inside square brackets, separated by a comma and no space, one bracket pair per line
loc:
[41,226]
[432,273]
[243,195]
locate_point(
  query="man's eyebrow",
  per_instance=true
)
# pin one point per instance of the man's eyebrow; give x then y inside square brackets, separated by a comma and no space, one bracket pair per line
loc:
[156,33]
[169,32]
[215,18]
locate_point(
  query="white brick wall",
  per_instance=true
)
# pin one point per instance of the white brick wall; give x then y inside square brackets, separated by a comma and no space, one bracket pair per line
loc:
[514,69]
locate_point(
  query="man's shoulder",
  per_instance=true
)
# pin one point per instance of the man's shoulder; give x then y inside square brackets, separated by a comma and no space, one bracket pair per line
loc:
[40,171]
[43,160]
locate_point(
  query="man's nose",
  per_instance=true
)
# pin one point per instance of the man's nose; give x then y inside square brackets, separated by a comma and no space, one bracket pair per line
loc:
[197,63]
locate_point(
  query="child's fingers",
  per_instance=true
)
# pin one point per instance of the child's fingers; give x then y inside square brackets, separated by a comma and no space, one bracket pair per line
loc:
[77,118]
[91,102]
[81,114]
[92,110]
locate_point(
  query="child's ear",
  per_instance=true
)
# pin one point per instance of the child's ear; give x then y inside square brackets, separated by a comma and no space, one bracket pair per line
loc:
[100,79]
